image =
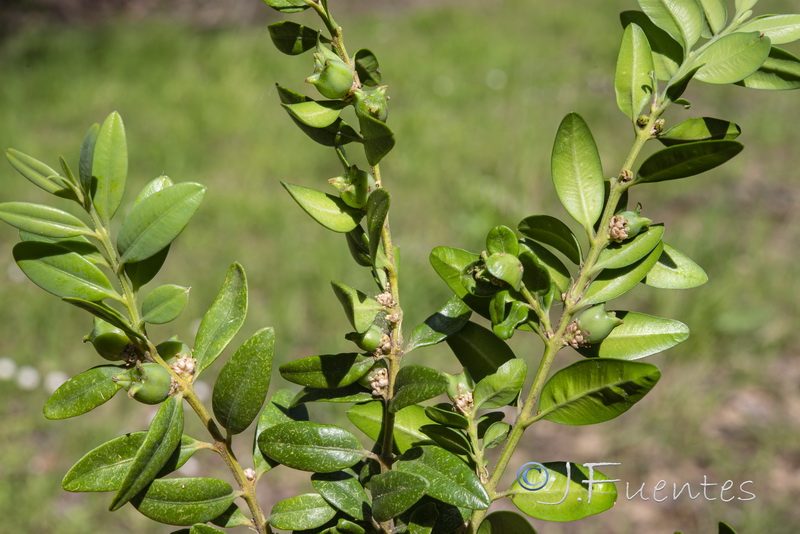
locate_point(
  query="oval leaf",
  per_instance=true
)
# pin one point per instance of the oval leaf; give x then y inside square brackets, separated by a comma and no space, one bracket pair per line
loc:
[448,320]
[505,522]
[597,390]
[367,68]
[328,210]
[243,382]
[416,383]
[699,129]
[34,170]
[612,283]
[618,255]
[479,350]
[361,310]
[153,186]
[551,231]
[633,79]
[638,336]
[42,220]
[716,14]
[501,387]
[310,446]
[667,52]
[682,19]
[343,491]
[780,29]
[780,72]
[109,166]
[675,270]
[143,271]
[292,38]
[164,304]
[278,410]
[368,418]
[157,220]
[394,492]
[83,393]
[316,114]
[502,240]
[687,159]
[732,58]
[301,512]
[328,371]
[184,501]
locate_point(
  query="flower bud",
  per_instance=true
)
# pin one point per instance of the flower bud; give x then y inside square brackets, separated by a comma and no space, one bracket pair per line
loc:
[149,383]
[596,323]
[109,341]
[627,224]
[332,76]
[373,101]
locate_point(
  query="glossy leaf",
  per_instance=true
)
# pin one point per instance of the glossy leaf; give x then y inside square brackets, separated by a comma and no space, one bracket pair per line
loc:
[502,240]
[360,309]
[242,384]
[688,159]
[667,52]
[619,255]
[144,271]
[577,171]
[479,350]
[86,159]
[310,446]
[732,58]
[287,6]
[157,220]
[278,410]
[109,166]
[780,71]
[507,268]
[699,129]
[675,270]
[596,390]
[638,336]
[449,263]
[633,82]
[153,186]
[565,497]
[232,517]
[316,114]
[223,320]
[394,492]
[292,38]
[502,387]
[164,304]
[34,170]
[505,522]
[61,272]
[368,418]
[163,437]
[347,395]
[551,231]
[448,439]
[78,244]
[416,383]
[104,468]
[328,210]
[327,370]
[558,273]
[780,29]
[743,6]
[301,512]
[612,283]
[378,138]
[105,312]
[83,392]
[716,14]
[449,479]
[517,314]
[377,210]
[444,415]
[495,434]
[682,19]
[42,220]
[343,491]
[201,528]
[184,501]
[423,519]
[339,133]
[448,320]
[369,72]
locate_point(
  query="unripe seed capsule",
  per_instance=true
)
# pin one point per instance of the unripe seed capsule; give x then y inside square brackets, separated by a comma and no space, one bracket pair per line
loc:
[151,385]
[634,222]
[596,323]
[109,341]
[334,79]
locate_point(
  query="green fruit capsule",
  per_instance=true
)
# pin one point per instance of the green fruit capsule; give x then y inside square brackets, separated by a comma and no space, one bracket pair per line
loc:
[173,348]
[109,341]
[373,101]
[365,381]
[369,341]
[634,222]
[332,77]
[596,323]
[150,384]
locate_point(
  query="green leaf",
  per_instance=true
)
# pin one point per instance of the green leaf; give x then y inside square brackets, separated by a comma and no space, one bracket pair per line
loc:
[104,468]
[505,267]
[242,384]
[360,309]
[675,270]
[292,38]
[78,244]
[109,166]
[551,231]
[42,220]
[328,371]
[34,170]
[495,434]
[448,439]
[349,394]
[502,240]
[780,71]
[157,220]
[317,114]
[449,479]
[162,439]
[83,392]
[106,313]
[611,283]
[732,58]
[596,390]
[153,186]
[301,512]
[184,501]
[667,52]
[223,320]
[287,6]
[377,210]
[716,14]
[337,134]
[328,210]
[310,446]
[479,350]
[367,68]
[278,410]
[725,528]
[394,492]
[557,271]
[501,387]
[744,5]
[449,263]
[638,336]
[423,519]
[619,255]
[416,383]
[780,29]
[687,159]
[86,159]
[633,82]
[448,320]
[577,171]
[699,129]
[343,491]
[61,272]
[378,138]
[164,304]
[444,414]
[505,522]
[506,325]
[144,271]
[201,528]
[565,486]
[368,418]
[682,19]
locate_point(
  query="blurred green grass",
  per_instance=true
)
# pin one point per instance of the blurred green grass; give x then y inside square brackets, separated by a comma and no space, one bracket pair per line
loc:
[477,94]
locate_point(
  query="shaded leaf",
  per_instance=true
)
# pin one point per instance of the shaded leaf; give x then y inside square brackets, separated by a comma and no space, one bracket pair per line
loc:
[394,492]
[300,512]
[310,446]
[328,371]
[416,383]
[667,52]
[378,138]
[83,392]
[287,6]
[682,19]
[505,267]
[349,394]
[142,272]
[339,133]
[360,309]
[612,283]
[495,434]
[619,255]
[292,38]
[78,244]
[699,129]
[551,231]
[479,350]
[505,522]
[780,71]
[34,170]
[502,240]
[444,415]
[86,159]
[164,304]
[638,336]
[343,491]
[557,271]
[448,439]
[184,501]
[716,14]
[448,320]
[368,418]
[278,410]
[317,114]
[501,387]
[377,210]
[42,220]
[687,159]
[675,270]
[367,68]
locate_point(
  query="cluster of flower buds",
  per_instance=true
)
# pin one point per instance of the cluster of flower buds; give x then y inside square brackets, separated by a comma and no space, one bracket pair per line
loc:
[627,224]
[379,382]
[463,401]
[184,366]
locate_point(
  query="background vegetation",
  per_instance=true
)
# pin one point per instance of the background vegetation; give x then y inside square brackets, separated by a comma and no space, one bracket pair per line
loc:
[477,94]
